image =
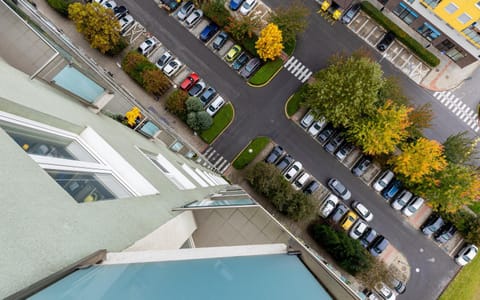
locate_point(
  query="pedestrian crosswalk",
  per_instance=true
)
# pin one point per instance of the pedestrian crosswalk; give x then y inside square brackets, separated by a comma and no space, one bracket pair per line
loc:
[219,162]
[455,105]
[299,70]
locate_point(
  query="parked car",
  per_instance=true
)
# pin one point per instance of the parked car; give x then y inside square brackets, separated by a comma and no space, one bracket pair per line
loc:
[362,211]
[185,10]
[233,53]
[398,286]
[326,133]
[445,233]
[383,180]
[247,6]
[301,180]
[466,255]
[293,171]
[392,189]
[194,18]
[120,11]
[110,4]
[339,212]
[208,32]
[432,224]
[220,40]
[252,65]
[401,200]
[147,46]
[348,220]
[164,60]
[172,67]
[197,89]
[358,229]
[344,150]
[213,108]
[235,4]
[189,81]
[275,154]
[350,13]
[334,143]
[361,166]
[413,206]
[328,206]
[339,189]
[208,95]
[312,187]
[368,237]
[307,119]
[379,245]
[315,128]
[385,291]
[385,41]
[125,23]
[240,61]
[285,162]
[371,295]
[171,5]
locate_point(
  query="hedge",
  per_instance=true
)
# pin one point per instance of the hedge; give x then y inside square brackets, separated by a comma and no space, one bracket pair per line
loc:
[427,56]
[61,6]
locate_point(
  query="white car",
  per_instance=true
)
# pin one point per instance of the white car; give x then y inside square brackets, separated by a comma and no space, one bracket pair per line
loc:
[194,18]
[358,229]
[172,67]
[413,206]
[293,171]
[247,6]
[125,23]
[307,120]
[328,206]
[213,108]
[164,60]
[317,126]
[383,180]
[385,291]
[299,183]
[466,255]
[110,4]
[362,211]
[401,200]
[147,46]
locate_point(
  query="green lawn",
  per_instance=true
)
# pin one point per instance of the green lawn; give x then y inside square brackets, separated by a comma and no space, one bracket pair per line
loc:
[250,152]
[266,72]
[293,103]
[220,121]
[475,207]
[466,285]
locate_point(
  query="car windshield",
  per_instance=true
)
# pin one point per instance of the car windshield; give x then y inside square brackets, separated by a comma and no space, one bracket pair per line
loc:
[246,5]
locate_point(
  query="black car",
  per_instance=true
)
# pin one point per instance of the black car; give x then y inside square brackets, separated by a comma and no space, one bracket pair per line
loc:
[432,225]
[311,187]
[344,150]
[220,40]
[326,133]
[350,13]
[368,237]
[120,11]
[208,95]
[339,212]
[274,155]
[250,68]
[334,143]
[361,166]
[399,286]
[208,32]
[285,162]
[240,61]
[171,5]
[386,41]
[379,245]
[445,233]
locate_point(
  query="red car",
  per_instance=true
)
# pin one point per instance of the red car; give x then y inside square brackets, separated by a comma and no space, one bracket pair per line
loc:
[189,81]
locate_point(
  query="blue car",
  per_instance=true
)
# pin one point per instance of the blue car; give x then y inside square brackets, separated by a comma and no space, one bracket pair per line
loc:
[235,4]
[392,189]
[208,32]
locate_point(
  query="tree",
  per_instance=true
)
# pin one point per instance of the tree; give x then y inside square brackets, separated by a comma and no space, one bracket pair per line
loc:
[269,44]
[419,159]
[291,19]
[194,104]
[242,28]
[216,11]
[346,90]
[382,131]
[451,188]
[420,118]
[155,82]
[61,6]
[204,120]
[377,272]
[391,90]
[176,103]
[460,148]
[467,223]
[97,24]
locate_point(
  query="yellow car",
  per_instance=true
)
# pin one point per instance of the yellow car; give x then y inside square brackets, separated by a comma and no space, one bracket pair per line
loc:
[348,220]
[233,53]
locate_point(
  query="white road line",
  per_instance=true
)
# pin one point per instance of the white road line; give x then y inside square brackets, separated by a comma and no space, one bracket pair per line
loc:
[476,129]
[470,122]
[298,65]
[456,100]
[289,61]
[455,109]
[464,119]
[451,104]
[299,71]
[463,106]
[292,65]
[436,94]
[308,76]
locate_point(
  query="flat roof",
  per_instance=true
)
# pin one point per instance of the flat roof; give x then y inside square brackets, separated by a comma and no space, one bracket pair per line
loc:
[278,276]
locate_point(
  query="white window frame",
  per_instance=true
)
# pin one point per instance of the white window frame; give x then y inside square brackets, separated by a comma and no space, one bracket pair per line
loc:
[464,14]
[451,4]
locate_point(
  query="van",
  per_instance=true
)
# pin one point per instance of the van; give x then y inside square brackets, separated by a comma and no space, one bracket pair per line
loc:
[215,106]
[413,206]
[307,120]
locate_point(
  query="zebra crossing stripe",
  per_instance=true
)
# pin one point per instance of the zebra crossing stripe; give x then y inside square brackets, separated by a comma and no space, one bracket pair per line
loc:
[292,65]
[455,109]
[299,71]
[450,105]
[470,122]
[456,100]
[308,76]
[304,73]
[476,128]
[465,117]
[289,61]
[436,94]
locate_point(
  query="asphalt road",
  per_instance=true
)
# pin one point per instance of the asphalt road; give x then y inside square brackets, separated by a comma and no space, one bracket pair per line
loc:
[260,111]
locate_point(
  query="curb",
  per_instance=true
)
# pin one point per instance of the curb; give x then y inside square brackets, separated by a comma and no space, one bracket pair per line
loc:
[226,127]
[285,106]
[268,81]
[249,142]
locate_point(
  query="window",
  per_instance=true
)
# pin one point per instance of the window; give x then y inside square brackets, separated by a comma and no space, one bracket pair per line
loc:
[455,54]
[432,3]
[451,8]
[473,34]
[405,13]
[428,31]
[464,18]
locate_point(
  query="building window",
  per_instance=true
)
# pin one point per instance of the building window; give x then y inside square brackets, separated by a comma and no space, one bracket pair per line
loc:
[455,54]
[428,31]
[432,3]
[473,34]
[464,18]
[451,8]
[405,13]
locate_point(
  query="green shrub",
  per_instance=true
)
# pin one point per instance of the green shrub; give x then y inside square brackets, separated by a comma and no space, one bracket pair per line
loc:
[216,11]
[266,72]
[118,48]
[256,146]
[134,64]
[176,104]
[427,56]
[61,6]
[289,46]
[249,44]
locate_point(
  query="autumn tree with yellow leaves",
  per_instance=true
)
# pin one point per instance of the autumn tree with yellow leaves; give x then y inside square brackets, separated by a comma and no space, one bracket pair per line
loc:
[97,23]
[419,159]
[269,44]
